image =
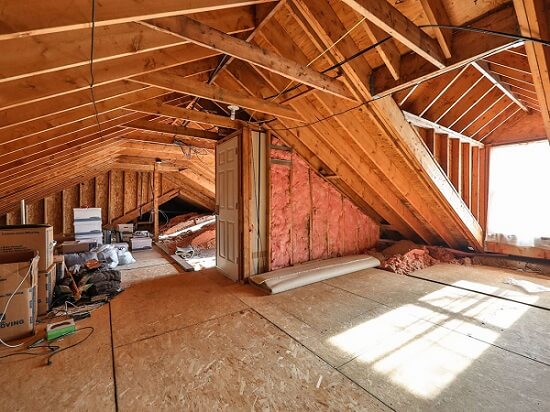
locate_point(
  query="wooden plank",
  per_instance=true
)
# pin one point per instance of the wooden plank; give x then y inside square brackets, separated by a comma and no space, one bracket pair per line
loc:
[533,19]
[420,122]
[387,50]
[158,108]
[156,194]
[436,13]
[466,173]
[187,86]
[32,89]
[456,165]
[211,38]
[483,68]
[33,17]
[475,182]
[389,19]
[172,129]
[444,152]
[523,251]
[466,47]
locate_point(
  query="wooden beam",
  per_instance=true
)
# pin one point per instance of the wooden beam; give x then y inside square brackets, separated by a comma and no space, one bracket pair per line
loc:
[156,194]
[456,165]
[207,91]
[137,212]
[158,108]
[466,173]
[33,17]
[466,47]
[213,39]
[67,81]
[443,158]
[172,130]
[436,13]
[421,122]
[483,68]
[389,19]
[155,137]
[387,50]
[533,20]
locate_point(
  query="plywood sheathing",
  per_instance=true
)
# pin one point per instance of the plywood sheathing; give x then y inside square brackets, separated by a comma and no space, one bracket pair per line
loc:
[117,193]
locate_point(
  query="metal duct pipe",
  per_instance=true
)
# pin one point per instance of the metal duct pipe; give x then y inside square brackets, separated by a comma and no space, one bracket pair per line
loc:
[23,212]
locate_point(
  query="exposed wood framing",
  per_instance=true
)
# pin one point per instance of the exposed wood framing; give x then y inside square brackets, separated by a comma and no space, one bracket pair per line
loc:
[389,19]
[206,36]
[533,20]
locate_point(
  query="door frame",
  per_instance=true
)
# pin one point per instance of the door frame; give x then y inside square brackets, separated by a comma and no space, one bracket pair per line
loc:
[238,134]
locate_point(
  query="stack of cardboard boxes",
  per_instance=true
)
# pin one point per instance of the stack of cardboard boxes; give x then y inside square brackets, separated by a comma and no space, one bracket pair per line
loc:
[25,248]
[88,225]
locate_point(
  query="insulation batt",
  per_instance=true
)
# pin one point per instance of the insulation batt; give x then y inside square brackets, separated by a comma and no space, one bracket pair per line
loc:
[310,219]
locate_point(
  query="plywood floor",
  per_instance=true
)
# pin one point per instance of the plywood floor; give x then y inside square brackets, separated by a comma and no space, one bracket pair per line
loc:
[367,341]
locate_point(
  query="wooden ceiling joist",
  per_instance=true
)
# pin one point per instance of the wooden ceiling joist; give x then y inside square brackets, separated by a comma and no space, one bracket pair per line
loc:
[153,126]
[389,19]
[387,50]
[534,22]
[57,105]
[213,39]
[60,123]
[466,47]
[165,138]
[34,17]
[161,109]
[483,68]
[58,51]
[212,92]
[437,15]
[67,81]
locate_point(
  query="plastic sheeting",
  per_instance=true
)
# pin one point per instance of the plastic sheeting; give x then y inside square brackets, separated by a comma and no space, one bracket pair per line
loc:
[311,272]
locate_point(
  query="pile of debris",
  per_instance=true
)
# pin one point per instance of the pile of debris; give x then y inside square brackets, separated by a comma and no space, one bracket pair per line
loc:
[91,276]
[405,257]
[192,229]
[191,241]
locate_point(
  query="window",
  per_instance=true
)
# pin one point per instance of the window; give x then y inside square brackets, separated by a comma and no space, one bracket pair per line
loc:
[519,195]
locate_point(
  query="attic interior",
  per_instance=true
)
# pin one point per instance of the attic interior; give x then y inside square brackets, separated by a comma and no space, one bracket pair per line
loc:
[275,205]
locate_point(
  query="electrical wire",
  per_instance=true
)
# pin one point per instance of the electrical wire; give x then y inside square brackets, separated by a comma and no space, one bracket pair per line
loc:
[90,328]
[361,52]
[3,314]
[92,79]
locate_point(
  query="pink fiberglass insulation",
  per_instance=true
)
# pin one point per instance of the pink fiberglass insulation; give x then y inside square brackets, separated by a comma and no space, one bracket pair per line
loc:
[320,211]
[336,214]
[280,242]
[300,196]
[310,219]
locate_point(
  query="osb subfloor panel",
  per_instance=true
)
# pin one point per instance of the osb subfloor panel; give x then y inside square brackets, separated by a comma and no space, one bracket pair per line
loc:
[151,264]
[79,379]
[489,280]
[371,340]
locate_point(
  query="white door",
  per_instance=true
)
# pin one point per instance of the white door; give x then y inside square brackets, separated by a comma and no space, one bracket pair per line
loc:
[227,202]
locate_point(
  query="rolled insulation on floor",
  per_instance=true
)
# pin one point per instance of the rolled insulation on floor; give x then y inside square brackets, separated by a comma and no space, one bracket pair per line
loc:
[307,273]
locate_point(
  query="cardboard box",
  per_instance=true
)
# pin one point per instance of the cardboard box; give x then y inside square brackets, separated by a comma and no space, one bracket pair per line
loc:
[97,239]
[59,261]
[77,246]
[45,287]
[141,243]
[22,238]
[84,214]
[88,228]
[125,228]
[18,268]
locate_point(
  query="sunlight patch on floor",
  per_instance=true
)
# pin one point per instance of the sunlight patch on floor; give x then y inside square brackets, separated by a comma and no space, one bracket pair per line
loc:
[420,355]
